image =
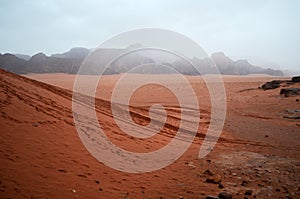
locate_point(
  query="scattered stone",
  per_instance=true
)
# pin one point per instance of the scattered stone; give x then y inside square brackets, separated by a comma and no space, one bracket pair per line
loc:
[73,190]
[231,184]
[225,195]
[215,179]
[190,164]
[244,183]
[220,186]
[35,125]
[278,190]
[97,181]
[248,192]
[211,197]
[208,172]
[260,185]
[290,92]
[62,170]
[266,136]
[292,117]
[82,176]
[100,189]
[297,100]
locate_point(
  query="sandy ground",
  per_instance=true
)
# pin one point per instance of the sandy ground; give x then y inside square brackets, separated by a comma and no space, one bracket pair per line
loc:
[42,156]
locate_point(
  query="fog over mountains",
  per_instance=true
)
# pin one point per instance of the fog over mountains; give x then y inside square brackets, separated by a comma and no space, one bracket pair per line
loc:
[69,62]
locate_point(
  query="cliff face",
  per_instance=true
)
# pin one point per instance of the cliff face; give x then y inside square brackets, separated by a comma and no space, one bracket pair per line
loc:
[40,63]
[69,62]
[74,53]
[12,63]
[240,67]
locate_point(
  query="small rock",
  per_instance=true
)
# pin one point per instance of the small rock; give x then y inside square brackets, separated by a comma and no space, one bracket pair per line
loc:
[211,197]
[82,176]
[35,125]
[62,170]
[260,185]
[244,183]
[248,192]
[100,189]
[97,181]
[220,186]
[225,195]
[73,190]
[190,164]
[266,136]
[292,117]
[215,180]
[208,172]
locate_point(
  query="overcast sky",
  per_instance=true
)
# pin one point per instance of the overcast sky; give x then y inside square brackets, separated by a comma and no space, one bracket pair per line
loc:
[265,32]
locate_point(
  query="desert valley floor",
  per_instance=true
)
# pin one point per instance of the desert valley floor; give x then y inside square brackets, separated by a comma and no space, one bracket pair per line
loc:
[41,155]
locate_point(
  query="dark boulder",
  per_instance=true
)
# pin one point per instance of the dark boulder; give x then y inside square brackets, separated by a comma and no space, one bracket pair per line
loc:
[290,92]
[296,79]
[225,195]
[271,85]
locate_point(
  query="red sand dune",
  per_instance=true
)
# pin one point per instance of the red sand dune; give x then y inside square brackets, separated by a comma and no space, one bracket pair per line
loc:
[41,155]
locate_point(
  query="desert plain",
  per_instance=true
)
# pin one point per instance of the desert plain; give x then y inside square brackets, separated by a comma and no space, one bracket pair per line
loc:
[42,156]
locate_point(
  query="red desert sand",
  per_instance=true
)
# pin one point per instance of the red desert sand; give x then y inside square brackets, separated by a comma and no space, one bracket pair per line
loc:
[42,156]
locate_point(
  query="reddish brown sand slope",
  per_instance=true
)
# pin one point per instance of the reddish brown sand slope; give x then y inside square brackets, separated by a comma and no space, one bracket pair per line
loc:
[41,155]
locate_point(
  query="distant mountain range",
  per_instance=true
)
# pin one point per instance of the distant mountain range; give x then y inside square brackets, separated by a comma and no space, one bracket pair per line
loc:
[69,62]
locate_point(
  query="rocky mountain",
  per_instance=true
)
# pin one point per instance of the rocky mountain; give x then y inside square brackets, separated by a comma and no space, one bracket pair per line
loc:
[40,63]
[22,56]
[12,63]
[69,62]
[240,67]
[74,53]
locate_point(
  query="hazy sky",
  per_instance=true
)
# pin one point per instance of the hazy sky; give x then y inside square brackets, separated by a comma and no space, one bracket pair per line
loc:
[265,32]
